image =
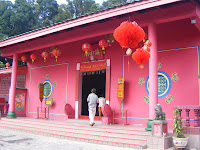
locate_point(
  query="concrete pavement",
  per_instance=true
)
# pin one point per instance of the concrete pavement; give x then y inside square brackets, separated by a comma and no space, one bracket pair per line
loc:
[16,140]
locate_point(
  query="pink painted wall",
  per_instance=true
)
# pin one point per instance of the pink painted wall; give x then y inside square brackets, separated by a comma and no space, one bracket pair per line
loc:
[170,36]
[58,75]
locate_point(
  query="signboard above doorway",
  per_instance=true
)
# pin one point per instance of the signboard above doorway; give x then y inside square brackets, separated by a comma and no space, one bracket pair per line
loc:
[93,66]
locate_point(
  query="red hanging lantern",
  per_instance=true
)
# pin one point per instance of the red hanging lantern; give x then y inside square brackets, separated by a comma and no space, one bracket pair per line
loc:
[141,56]
[145,38]
[147,43]
[110,38]
[23,58]
[33,57]
[129,34]
[103,43]
[45,55]
[128,52]
[56,52]
[7,65]
[86,47]
[146,48]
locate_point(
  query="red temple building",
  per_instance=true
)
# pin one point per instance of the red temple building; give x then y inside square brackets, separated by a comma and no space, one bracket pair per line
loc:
[170,77]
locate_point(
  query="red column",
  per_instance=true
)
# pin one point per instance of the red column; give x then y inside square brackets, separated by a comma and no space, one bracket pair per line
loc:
[12,92]
[153,72]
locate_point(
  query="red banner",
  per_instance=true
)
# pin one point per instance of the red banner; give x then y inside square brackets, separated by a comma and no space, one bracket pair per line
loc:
[120,90]
[41,91]
[93,66]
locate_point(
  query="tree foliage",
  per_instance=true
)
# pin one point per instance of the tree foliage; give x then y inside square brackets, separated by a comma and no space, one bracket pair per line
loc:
[6,13]
[27,15]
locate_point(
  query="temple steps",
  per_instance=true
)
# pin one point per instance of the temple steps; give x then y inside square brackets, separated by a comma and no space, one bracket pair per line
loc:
[124,136]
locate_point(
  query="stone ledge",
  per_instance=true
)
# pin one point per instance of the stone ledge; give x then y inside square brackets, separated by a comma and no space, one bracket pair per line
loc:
[160,143]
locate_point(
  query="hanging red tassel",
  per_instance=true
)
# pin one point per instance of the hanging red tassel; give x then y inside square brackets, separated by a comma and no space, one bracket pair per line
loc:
[128,52]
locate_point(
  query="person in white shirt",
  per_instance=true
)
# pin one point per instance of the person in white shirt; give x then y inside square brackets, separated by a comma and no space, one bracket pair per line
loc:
[92,100]
[101,102]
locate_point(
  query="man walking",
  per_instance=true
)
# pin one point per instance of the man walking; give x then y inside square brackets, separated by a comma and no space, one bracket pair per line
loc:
[92,100]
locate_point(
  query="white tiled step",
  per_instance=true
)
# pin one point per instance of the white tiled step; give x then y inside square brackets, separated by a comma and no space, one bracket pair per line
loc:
[103,136]
[82,128]
[86,130]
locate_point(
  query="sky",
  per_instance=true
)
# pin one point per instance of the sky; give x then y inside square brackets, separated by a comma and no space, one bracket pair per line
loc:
[64,1]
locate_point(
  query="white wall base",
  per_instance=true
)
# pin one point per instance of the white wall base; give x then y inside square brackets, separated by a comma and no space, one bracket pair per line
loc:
[76,109]
[107,102]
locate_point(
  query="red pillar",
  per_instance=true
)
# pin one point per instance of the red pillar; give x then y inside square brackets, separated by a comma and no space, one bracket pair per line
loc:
[153,72]
[12,92]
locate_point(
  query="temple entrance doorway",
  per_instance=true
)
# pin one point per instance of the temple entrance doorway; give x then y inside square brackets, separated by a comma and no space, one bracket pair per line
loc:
[95,79]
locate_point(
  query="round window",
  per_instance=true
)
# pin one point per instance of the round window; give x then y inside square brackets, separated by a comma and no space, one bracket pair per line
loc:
[164,84]
[47,89]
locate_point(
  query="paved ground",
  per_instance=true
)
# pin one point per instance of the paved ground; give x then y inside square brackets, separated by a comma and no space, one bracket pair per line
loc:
[16,140]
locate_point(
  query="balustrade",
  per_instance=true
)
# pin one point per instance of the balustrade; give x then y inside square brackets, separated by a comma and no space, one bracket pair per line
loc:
[196,110]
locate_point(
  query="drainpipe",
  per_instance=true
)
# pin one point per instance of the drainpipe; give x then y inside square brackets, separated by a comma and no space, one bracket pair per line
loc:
[12,92]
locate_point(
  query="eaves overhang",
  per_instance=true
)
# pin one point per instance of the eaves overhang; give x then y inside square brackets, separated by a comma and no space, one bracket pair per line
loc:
[117,11]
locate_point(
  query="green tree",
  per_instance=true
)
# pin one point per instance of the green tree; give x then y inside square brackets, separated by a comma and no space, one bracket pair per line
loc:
[63,13]
[22,20]
[46,10]
[26,15]
[5,15]
[113,3]
[82,7]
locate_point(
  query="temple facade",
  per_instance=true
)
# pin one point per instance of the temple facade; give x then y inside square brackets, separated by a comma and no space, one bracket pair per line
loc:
[170,77]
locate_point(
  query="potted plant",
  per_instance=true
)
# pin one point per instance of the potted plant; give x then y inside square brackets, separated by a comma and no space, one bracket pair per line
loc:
[179,140]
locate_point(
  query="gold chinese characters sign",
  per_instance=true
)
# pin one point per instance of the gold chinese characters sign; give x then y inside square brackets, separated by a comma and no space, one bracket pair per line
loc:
[93,66]
[95,54]
[49,102]
[120,90]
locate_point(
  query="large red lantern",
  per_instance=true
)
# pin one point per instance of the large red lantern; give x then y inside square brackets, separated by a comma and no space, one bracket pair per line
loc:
[103,44]
[56,52]
[23,58]
[86,47]
[45,55]
[7,65]
[129,34]
[33,57]
[141,56]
